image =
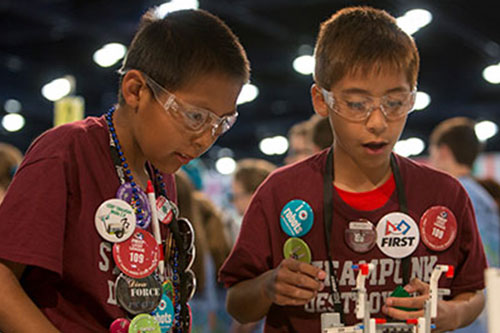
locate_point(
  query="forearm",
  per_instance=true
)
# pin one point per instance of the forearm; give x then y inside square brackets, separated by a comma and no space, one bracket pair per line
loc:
[468,306]
[18,313]
[246,301]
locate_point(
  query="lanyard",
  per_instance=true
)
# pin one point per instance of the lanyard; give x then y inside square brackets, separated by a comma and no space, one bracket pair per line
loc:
[328,177]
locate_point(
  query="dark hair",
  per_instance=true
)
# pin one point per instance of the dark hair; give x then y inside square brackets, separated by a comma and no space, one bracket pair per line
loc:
[184,45]
[251,172]
[10,158]
[322,135]
[363,39]
[459,135]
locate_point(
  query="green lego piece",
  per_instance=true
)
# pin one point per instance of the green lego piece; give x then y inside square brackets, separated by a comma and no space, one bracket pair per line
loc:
[401,292]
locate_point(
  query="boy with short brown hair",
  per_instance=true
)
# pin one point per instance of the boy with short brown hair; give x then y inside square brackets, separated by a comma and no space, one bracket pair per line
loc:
[356,202]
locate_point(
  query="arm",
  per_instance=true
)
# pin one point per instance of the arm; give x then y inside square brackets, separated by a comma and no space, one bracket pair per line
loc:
[18,313]
[458,312]
[291,283]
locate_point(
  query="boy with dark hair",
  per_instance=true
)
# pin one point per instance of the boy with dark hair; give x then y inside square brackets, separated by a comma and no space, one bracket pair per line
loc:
[356,202]
[178,91]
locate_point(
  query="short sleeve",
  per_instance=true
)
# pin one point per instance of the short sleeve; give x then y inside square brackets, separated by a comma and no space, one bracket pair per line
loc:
[251,254]
[33,215]
[469,273]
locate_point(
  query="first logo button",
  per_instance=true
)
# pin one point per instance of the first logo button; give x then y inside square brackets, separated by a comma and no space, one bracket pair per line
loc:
[296,218]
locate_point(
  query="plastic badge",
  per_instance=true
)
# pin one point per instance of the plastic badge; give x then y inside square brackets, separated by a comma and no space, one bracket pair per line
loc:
[115,220]
[144,323]
[438,227]
[296,218]
[138,256]
[297,249]
[190,284]
[190,256]
[138,295]
[166,209]
[120,325]
[164,313]
[361,236]
[397,235]
[187,233]
[168,289]
[125,192]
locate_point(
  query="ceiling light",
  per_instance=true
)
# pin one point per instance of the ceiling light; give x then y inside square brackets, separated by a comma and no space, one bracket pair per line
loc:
[422,100]
[277,145]
[413,20]
[13,122]
[225,165]
[304,64]
[174,5]
[58,88]
[485,130]
[248,93]
[109,54]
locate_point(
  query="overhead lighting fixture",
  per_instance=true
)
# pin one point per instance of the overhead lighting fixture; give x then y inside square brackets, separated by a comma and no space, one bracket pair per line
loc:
[492,74]
[13,122]
[304,64]
[248,93]
[225,165]
[109,54]
[422,100]
[485,130]
[277,145]
[12,106]
[174,5]
[58,88]
[414,20]
[409,147]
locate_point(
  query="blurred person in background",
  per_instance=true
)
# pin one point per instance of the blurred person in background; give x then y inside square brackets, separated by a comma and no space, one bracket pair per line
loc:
[454,147]
[10,158]
[322,136]
[212,248]
[249,174]
[300,141]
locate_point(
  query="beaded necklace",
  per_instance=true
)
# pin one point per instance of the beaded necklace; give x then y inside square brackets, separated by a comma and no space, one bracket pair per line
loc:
[128,175]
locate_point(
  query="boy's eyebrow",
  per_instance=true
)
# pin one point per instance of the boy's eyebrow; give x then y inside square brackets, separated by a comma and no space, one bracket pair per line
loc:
[366,92]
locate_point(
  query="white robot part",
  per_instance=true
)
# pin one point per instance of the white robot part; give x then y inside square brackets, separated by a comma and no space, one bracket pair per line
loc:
[436,274]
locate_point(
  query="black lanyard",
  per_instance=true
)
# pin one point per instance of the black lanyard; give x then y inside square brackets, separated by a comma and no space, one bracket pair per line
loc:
[328,177]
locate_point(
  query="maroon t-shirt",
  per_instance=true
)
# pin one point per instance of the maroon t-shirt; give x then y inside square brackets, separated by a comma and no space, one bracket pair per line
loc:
[259,246]
[47,223]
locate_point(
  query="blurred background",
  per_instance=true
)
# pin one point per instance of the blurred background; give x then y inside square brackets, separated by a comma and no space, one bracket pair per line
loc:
[82,43]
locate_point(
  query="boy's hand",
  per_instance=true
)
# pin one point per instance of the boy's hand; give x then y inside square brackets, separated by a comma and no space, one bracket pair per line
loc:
[446,318]
[294,283]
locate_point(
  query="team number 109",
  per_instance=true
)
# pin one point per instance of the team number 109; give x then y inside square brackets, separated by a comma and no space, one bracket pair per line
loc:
[136,257]
[438,233]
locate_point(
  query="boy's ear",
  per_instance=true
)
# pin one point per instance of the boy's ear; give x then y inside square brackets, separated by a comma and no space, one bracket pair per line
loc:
[132,86]
[318,101]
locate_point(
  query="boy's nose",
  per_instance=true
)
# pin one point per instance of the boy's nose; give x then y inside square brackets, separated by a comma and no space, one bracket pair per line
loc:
[377,121]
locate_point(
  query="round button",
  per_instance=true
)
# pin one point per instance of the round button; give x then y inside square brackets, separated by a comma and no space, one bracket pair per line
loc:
[115,220]
[166,210]
[120,325]
[126,192]
[144,323]
[361,236]
[438,228]
[138,295]
[296,218]
[297,249]
[164,313]
[138,256]
[397,235]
